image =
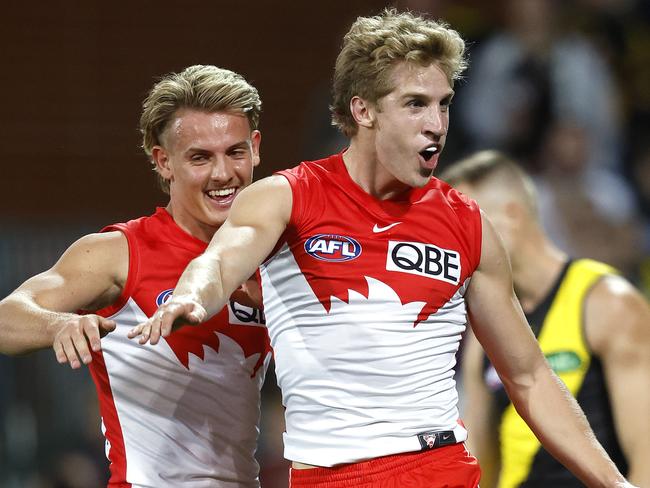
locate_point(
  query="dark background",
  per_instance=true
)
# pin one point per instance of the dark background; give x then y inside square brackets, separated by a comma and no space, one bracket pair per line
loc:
[75,74]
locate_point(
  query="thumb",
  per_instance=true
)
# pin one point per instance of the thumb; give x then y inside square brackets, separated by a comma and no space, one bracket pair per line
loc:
[195,313]
[106,326]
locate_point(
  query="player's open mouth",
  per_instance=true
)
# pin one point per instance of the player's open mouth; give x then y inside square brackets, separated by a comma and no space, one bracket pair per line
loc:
[221,195]
[428,152]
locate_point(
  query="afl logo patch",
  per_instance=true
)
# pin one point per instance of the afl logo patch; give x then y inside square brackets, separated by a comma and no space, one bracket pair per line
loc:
[164,296]
[332,247]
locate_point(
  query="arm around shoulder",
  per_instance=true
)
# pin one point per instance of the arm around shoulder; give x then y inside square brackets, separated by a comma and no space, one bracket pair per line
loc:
[258,217]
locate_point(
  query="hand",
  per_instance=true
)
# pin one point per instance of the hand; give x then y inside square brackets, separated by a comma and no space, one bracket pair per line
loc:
[73,335]
[171,315]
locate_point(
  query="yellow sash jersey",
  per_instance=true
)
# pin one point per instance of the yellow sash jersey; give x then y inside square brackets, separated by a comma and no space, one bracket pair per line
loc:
[558,323]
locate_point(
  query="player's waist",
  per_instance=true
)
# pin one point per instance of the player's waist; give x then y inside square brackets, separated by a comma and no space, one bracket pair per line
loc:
[306,453]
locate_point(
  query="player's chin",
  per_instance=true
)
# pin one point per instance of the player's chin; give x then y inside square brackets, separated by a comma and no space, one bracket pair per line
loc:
[422,177]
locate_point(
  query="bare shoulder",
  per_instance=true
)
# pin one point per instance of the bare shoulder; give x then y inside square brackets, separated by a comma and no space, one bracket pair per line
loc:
[100,255]
[276,186]
[90,274]
[616,312]
[493,254]
[111,247]
[269,197]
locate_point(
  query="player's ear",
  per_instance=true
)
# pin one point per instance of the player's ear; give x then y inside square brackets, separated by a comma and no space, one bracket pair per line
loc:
[161,162]
[363,112]
[516,212]
[256,139]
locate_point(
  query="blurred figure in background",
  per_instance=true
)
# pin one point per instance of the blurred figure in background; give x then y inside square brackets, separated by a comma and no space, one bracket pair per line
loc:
[592,325]
[196,423]
[542,91]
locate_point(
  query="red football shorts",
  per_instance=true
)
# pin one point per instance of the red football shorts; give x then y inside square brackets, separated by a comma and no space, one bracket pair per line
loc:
[445,467]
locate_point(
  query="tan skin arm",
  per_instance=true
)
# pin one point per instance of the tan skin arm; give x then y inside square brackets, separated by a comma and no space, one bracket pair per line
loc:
[535,391]
[256,221]
[41,312]
[479,413]
[617,326]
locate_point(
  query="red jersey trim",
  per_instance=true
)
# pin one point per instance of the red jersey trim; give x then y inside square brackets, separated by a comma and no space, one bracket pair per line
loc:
[297,203]
[108,411]
[134,266]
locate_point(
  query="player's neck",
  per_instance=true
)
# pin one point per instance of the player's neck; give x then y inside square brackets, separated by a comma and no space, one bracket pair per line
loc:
[535,270]
[191,225]
[365,170]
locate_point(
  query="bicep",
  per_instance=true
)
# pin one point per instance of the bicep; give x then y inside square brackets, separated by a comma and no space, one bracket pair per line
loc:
[496,316]
[90,274]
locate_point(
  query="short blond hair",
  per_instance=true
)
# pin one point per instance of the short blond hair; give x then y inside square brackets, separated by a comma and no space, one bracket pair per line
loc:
[200,87]
[373,45]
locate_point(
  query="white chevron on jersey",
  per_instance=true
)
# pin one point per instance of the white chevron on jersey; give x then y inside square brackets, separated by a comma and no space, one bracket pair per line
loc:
[354,384]
[184,418]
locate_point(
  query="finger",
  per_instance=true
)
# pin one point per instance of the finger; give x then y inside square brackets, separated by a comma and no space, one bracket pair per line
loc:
[70,352]
[135,331]
[156,327]
[168,319]
[80,342]
[91,330]
[59,352]
[145,331]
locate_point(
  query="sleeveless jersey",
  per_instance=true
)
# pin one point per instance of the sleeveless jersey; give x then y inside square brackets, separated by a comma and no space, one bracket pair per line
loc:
[365,309]
[185,412]
[558,324]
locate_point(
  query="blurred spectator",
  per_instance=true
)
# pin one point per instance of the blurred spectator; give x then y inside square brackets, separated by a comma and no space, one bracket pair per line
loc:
[587,211]
[533,72]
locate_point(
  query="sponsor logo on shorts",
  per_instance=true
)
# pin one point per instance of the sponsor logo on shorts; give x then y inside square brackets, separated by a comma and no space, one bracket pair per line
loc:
[332,247]
[164,296]
[424,260]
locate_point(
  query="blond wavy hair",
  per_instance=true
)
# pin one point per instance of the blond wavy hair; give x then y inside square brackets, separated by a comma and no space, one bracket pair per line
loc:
[373,45]
[200,87]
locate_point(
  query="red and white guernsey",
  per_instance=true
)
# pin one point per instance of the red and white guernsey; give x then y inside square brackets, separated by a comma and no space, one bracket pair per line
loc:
[183,413]
[364,305]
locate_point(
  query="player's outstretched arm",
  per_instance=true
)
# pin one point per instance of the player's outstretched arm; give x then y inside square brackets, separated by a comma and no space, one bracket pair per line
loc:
[617,326]
[537,394]
[41,312]
[257,219]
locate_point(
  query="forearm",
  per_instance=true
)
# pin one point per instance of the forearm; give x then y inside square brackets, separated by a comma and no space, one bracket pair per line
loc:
[24,326]
[559,423]
[202,282]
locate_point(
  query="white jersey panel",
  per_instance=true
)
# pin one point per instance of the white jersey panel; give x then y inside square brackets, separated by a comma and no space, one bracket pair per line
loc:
[178,422]
[355,383]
